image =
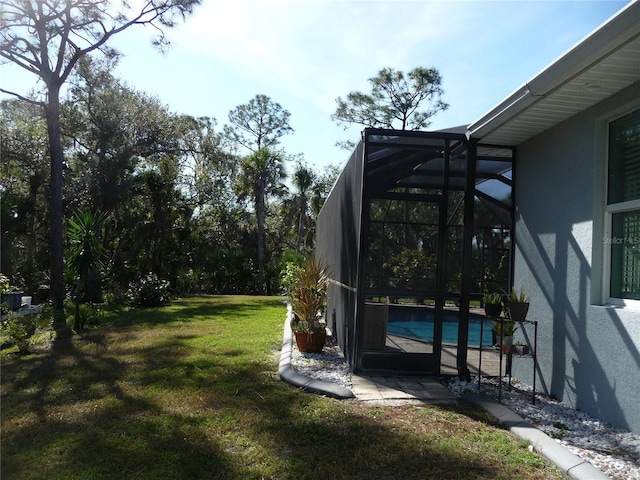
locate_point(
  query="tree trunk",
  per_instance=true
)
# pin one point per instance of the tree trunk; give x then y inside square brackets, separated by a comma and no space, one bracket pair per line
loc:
[30,244]
[260,216]
[77,325]
[302,214]
[56,213]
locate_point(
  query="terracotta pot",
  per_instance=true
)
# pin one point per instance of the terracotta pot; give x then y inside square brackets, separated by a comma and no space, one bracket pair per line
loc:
[310,342]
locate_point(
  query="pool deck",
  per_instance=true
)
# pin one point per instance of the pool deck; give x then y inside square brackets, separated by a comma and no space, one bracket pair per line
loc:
[490,356]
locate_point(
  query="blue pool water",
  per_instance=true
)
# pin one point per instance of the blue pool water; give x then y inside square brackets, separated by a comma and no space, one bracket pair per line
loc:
[417,322]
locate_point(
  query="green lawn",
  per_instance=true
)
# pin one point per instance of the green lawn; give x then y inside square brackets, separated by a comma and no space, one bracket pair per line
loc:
[191,391]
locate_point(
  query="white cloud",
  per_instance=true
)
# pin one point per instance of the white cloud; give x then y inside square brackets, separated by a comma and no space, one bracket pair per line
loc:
[316,50]
[305,53]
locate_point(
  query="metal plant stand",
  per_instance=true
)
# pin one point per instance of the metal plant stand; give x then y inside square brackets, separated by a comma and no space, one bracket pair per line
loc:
[510,355]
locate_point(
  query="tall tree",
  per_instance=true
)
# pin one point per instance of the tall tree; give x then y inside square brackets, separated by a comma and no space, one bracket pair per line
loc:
[130,160]
[404,102]
[209,168]
[23,178]
[47,38]
[303,181]
[115,130]
[262,173]
[258,124]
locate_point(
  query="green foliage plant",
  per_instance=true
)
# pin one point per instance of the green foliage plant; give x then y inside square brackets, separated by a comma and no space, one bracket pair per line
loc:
[4,283]
[515,296]
[18,329]
[86,249]
[507,327]
[85,255]
[493,299]
[410,267]
[306,288]
[4,287]
[258,124]
[91,315]
[149,291]
[493,304]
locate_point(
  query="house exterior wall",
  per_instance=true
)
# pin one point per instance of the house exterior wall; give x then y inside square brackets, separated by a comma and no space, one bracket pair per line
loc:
[588,352]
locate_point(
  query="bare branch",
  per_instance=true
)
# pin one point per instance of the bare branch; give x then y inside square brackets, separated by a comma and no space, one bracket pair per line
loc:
[21,97]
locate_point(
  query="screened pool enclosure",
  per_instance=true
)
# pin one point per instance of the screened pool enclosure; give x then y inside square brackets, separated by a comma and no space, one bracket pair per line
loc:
[417,227]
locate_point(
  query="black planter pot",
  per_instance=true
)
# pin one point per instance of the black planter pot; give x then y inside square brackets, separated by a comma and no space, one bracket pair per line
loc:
[518,311]
[492,309]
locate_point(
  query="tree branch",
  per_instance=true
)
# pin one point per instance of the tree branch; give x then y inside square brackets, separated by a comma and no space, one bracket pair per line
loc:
[21,97]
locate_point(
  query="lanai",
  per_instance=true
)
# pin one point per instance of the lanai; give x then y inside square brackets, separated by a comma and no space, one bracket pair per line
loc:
[425,218]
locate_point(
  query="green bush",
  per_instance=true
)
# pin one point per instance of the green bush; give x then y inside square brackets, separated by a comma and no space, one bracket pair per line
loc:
[289,276]
[18,330]
[90,315]
[149,291]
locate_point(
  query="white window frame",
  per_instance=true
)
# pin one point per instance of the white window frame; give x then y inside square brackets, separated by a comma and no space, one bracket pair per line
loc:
[609,211]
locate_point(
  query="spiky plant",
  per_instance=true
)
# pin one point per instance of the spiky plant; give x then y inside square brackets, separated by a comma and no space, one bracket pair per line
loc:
[307,292]
[85,253]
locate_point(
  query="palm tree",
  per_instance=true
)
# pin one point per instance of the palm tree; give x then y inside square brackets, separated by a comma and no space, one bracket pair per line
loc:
[262,173]
[84,257]
[303,180]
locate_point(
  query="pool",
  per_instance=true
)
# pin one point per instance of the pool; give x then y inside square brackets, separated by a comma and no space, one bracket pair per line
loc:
[417,322]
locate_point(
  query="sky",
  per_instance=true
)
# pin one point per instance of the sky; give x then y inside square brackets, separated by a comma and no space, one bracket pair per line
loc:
[304,54]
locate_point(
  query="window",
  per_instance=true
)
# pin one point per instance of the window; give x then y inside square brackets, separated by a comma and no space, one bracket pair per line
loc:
[623,207]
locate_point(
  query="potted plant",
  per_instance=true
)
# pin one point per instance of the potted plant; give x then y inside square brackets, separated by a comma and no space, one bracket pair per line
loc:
[306,288]
[518,305]
[492,304]
[522,349]
[504,330]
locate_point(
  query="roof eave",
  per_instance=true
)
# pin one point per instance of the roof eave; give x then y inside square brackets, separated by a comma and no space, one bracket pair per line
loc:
[623,27]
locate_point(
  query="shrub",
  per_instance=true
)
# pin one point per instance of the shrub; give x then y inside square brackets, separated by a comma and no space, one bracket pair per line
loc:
[90,315]
[149,291]
[289,276]
[4,283]
[18,330]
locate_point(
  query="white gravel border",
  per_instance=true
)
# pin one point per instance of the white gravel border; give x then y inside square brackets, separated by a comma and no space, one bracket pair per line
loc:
[613,451]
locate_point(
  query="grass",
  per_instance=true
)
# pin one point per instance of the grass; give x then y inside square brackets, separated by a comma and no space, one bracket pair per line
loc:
[191,391]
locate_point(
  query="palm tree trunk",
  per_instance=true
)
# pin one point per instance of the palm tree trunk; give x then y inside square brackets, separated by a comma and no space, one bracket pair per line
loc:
[301,217]
[260,216]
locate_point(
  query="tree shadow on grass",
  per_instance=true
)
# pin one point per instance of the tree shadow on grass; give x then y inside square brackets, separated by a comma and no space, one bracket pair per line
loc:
[73,413]
[113,405]
[199,308]
[325,438]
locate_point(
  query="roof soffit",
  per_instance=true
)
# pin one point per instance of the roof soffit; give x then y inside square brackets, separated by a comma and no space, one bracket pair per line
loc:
[541,104]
